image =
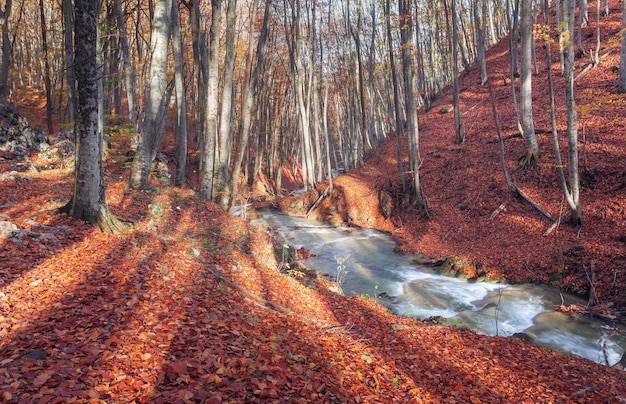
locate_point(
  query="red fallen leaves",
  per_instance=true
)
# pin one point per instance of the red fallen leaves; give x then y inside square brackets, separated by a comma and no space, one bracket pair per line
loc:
[140,318]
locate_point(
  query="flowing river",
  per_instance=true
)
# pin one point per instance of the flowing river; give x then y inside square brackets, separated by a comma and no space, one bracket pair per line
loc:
[364,262]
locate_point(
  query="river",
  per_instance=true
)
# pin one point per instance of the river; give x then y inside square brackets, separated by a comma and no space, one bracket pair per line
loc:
[364,262]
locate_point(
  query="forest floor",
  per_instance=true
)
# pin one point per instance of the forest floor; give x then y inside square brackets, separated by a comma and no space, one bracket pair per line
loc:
[193,305]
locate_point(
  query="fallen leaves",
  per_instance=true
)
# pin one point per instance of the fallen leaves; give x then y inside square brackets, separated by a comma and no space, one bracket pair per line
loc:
[140,318]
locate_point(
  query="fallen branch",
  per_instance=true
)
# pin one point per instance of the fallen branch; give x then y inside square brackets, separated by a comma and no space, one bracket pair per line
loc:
[496,212]
[514,188]
[317,202]
[592,65]
[528,199]
[556,224]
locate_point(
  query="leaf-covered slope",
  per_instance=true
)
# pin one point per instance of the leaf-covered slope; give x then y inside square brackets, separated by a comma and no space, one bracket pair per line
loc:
[192,307]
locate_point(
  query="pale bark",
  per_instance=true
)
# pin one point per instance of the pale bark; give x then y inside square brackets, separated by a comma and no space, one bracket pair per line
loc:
[569,197]
[247,112]
[129,68]
[479,22]
[207,163]
[526,101]
[415,162]
[151,130]
[181,101]
[396,97]
[572,122]
[226,121]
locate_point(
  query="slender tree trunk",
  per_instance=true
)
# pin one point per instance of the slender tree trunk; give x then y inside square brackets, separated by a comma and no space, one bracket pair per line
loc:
[207,165]
[479,20]
[526,100]
[68,42]
[88,201]
[151,130]
[181,101]
[555,136]
[572,122]
[247,112]
[406,44]
[129,69]
[396,100]
[46,74]
[6,49]
[453,43]
[226,120]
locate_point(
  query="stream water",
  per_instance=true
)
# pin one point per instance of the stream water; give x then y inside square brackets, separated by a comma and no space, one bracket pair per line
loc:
[364,262]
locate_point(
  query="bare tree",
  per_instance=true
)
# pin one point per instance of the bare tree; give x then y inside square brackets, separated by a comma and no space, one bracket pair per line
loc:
[88,201]
[152,128]
[247,112]
[526,99]
[181,100]
[46,59]
[406,44]
[6,49]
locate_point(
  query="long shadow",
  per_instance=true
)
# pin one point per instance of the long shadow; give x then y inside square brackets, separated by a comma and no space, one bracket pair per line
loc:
[96,327]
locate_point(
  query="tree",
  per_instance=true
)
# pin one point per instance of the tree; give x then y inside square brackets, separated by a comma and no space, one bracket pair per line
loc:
[406,44]
[207,153]
[46,58]
[226,122]
[572,122]
[248,105]
[6,49]
[396,96]
[568,192]
[526,96]
[156,105]
[88,202]
[181,99]
[453,42]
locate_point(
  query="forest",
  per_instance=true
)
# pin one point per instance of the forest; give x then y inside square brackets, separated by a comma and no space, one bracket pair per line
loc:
[487,135]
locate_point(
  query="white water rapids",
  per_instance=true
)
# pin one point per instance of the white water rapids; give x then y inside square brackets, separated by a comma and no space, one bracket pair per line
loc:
[365,263]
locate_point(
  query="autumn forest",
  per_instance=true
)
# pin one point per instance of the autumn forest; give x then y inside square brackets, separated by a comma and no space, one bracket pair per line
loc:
[485,136]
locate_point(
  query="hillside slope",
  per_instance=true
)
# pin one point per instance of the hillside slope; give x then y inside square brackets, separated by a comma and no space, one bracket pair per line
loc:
[465,185]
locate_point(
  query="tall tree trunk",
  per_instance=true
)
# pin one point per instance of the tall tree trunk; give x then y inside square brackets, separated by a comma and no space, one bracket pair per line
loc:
[129,68]
[573,204]
[6,49]
[459,132]
[46,73]
[396,96]
[68,42]
[181,101]
[88,201]
[572,122]
[226,121]
[151,130]
[247,112]
[479,20]
[406,44]
[207,165]
[526,99]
